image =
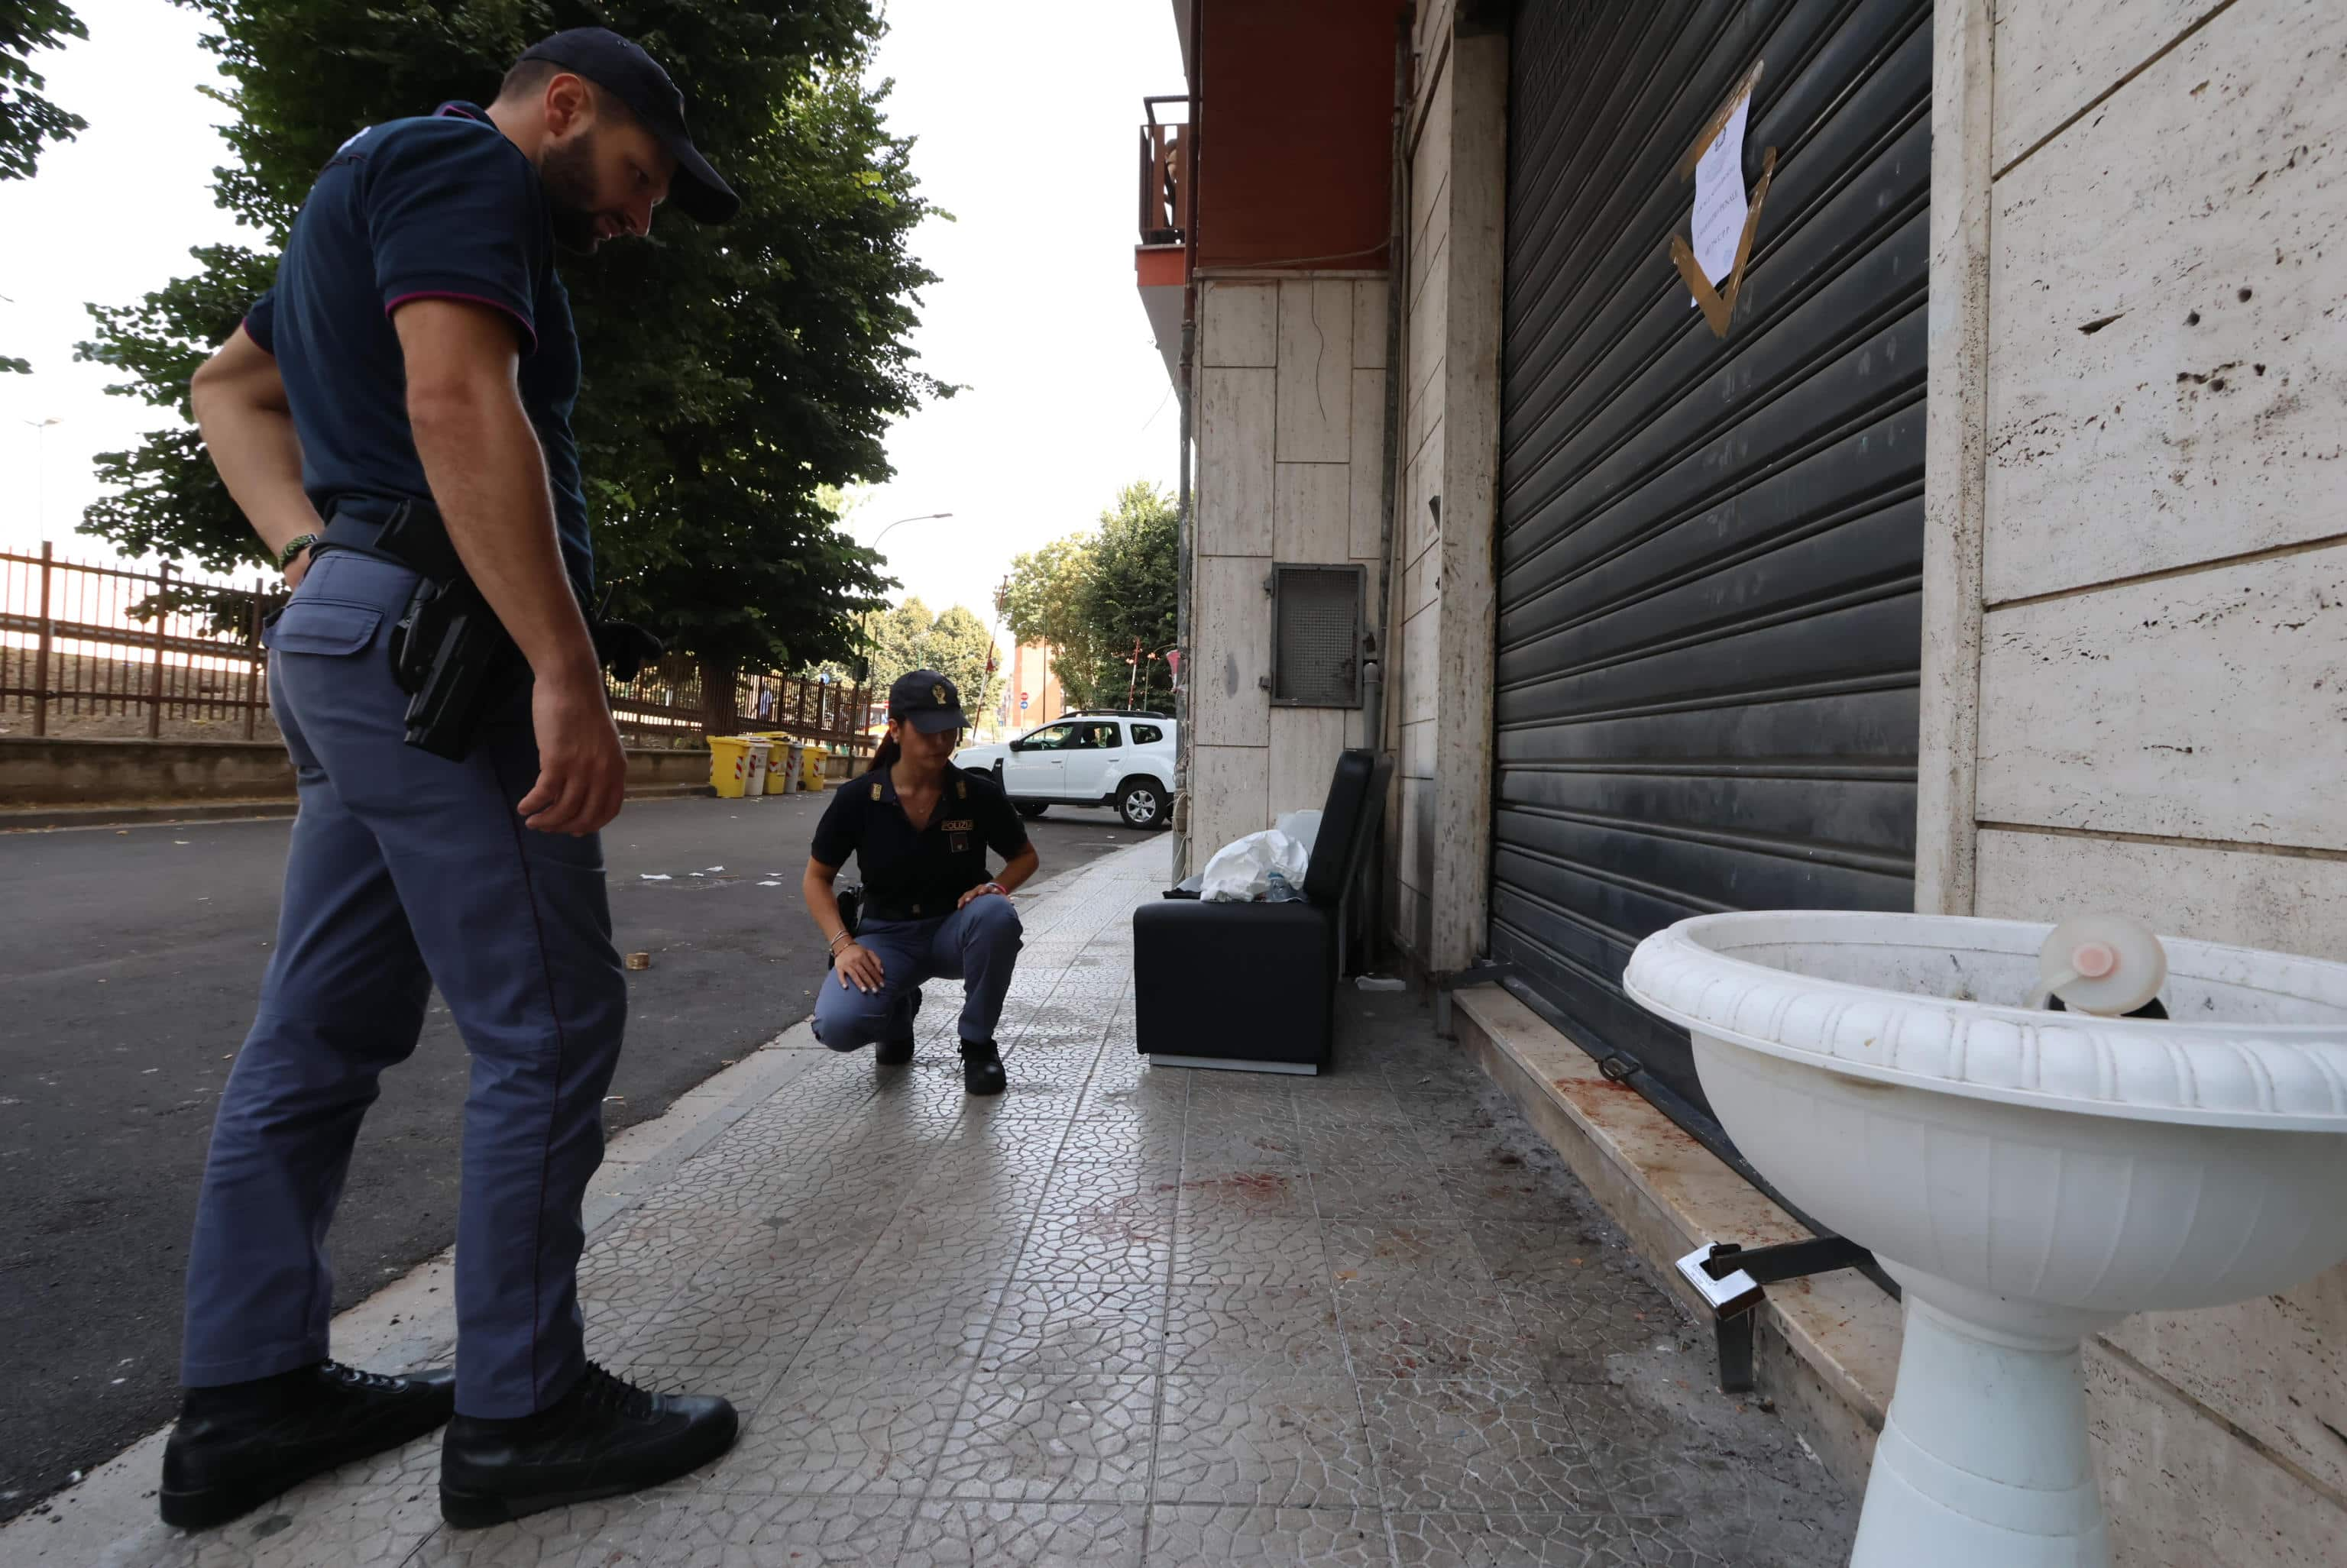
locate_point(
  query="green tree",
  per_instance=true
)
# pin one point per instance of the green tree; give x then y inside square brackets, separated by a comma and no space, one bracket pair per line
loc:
[1043,602]
[900,641]
[736,376]
[956,644]
[959,646]
[1130,597]
[1096,598]
[29,120]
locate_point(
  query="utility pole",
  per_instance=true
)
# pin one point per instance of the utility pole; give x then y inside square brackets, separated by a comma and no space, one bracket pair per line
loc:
[41,428]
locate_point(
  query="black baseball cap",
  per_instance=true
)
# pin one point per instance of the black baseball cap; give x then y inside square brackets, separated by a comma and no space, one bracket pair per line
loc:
[928,701]
[621,69]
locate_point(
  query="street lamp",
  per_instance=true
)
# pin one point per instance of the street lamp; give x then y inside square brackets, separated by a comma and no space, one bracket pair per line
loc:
[900,523]
[41,485]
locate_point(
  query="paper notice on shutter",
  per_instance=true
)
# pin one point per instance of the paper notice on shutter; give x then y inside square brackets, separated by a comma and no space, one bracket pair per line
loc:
[1719,200]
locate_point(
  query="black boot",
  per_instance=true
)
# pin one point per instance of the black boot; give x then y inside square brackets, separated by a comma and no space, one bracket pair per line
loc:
[897,1052]
[981,1067]
[236,1447]
[602,1438]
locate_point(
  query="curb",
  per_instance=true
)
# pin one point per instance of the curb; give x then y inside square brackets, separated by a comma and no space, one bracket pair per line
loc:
[137,816]
[411,1322]
[1828,1346]
[233,811]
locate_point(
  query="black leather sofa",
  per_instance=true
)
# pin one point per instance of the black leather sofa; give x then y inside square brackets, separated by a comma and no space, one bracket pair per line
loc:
[1252,986]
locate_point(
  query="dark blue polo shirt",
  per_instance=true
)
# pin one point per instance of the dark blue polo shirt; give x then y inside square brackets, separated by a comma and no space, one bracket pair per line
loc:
[437,208]
[918,875]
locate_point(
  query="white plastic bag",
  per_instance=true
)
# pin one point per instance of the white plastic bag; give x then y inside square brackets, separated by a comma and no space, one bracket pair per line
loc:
[1303,827]
[1268,865]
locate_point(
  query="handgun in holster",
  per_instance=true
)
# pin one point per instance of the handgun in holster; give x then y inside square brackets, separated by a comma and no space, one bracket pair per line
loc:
[450,653]
[452,659]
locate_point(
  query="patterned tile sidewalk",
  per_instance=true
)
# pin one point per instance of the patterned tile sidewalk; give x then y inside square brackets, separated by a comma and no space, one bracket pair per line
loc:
[1123,1315]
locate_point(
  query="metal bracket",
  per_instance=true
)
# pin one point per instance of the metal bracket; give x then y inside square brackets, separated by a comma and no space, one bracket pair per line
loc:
[1483,972]
[1730,1278]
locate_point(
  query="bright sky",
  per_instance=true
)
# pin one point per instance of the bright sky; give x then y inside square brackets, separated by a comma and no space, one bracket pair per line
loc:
[1025,134]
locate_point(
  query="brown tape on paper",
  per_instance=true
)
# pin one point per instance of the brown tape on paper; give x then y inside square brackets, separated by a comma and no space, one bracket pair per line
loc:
[1718,121]
[1715,309]
[1751,227]
[1718,306]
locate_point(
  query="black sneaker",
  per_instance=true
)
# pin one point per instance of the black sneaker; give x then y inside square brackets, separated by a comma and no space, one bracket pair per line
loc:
[236,1447]
[981,1067]
[898,1052]
[602,1438]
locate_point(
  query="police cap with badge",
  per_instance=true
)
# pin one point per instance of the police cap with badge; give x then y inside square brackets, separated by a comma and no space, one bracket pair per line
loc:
[928,701]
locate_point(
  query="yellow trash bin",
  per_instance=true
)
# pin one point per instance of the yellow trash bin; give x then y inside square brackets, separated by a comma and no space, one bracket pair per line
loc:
[811,761]
[729,766]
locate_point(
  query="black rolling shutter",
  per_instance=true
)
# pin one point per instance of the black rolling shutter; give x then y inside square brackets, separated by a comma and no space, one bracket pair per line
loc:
[1710,551]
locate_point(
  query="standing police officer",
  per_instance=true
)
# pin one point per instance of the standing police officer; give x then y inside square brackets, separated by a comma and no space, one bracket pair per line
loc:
[409,381]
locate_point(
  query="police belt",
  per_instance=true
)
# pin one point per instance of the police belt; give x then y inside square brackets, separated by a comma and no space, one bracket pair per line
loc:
[448,652]
[875,909]
[411,533]
[406,533]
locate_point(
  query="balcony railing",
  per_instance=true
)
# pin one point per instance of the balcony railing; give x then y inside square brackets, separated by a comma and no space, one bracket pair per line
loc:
[1165,207]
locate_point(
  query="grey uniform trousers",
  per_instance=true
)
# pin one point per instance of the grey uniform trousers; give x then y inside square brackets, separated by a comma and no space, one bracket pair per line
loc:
[408,871]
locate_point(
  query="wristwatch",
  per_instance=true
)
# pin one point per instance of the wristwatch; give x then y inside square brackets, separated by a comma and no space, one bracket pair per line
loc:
[295,547]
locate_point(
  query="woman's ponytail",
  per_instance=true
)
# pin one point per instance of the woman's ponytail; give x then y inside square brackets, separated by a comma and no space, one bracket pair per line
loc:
[888,754]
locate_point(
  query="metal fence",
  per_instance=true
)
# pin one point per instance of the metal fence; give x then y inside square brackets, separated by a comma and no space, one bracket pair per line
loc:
[837,715]
[83,646]
[668,703]
[79,641]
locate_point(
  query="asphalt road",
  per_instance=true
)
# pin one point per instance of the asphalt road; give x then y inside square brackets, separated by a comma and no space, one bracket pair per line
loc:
[132,961]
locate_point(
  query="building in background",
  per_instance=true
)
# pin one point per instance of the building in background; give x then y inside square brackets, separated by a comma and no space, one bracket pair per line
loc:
[1031,691]
[1990,563]
[1265,281]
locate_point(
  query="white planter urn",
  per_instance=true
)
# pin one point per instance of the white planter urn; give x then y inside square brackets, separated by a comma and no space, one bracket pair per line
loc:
[2028,1177]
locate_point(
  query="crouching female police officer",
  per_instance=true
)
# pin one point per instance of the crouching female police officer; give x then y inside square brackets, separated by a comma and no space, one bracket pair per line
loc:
[919,828]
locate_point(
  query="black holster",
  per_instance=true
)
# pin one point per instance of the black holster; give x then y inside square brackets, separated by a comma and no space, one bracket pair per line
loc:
[452,659]
[449,652]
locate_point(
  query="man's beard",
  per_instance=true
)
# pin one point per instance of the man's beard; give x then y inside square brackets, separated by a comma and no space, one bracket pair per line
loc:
[567,172]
